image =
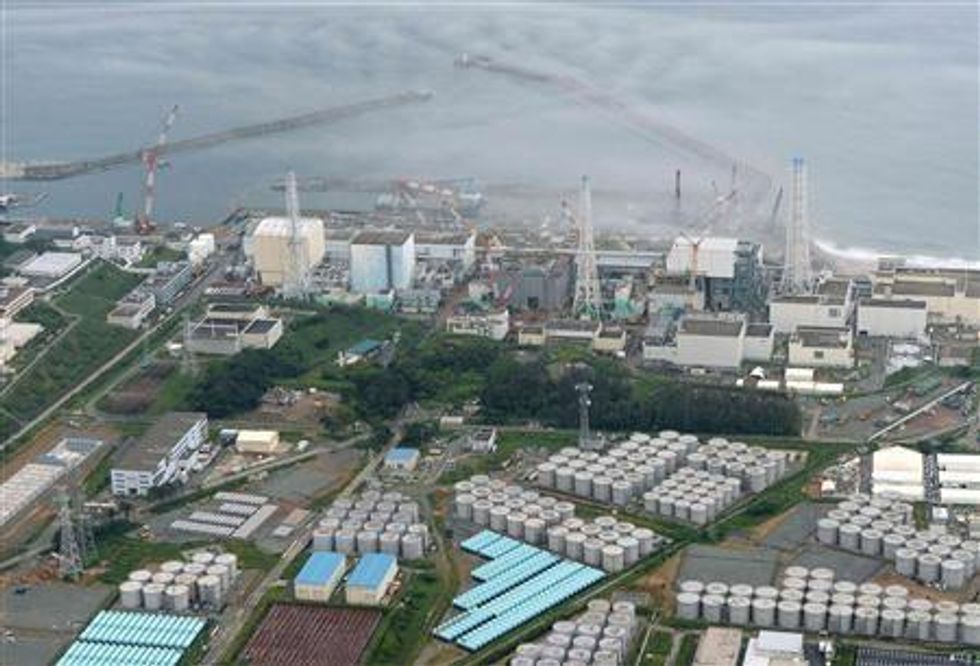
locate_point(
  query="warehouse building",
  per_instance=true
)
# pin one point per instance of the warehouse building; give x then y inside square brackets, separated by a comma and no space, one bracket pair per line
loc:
[951,295]
[899,318]
[822,346]
[51,265]
[272,246]
[959,478]
[493,325]
[319,577]
[701,340]
[775,648]
[133,309]
[169,279]
[898,470]
[228,328]
[371,578]
[161,455]
[381,261]
[403,459]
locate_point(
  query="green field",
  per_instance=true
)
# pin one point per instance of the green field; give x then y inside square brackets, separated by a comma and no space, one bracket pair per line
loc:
[402,631]
[74,357]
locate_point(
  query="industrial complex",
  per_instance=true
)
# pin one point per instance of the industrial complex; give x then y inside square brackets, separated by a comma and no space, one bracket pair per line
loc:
[435,424]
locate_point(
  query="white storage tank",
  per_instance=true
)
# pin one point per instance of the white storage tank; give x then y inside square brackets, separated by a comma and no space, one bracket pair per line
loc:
[176,598]
[840,619]
[946,627]
[565,510]
[827,531]
[141,576]
[209,591]
[153,596]
[556,539]
[189,581]
[602,489]
[575,543]
[631,549]
[866,621]
[849,537]
[481,512]
[464,506]
[764,612]
[546,474]
[583,484]
[905,562]
[892,623]
[928,567]
[918,625]
[163,578]
[814,617]
[645,537]
[498,518]
[173,567]
[970,629]
[564,479]
[613,558]
[789,614]
[515,525]
[223,574]
[367,542]
[953,574]
[890,544]
[739,610]
[412,547]
[712,606]
[229,560]
[871,542]
[534,530]
[389,542]
[131,594]
[688,606]
[203,557]
[621,491]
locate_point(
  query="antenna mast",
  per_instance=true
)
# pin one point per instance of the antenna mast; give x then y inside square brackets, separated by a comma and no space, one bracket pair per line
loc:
[587,303]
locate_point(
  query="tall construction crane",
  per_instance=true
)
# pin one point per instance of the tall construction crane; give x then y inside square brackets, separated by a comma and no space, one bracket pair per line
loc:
[151,160]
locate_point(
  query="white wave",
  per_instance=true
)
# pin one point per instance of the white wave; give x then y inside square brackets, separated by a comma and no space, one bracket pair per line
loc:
[867,255]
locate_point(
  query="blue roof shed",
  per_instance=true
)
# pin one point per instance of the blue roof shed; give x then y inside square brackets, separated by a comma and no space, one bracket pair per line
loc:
[371,570]
[320,568]
[402,455]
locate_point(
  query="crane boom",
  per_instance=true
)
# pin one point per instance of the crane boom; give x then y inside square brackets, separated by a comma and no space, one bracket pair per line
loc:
[151,157]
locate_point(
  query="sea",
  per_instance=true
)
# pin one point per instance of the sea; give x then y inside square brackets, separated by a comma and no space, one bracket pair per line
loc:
[879,97]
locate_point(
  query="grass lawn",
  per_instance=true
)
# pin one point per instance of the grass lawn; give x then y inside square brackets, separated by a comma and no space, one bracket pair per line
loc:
[508,443]
[403,630]
[82,350]
[685,653]
[123,554]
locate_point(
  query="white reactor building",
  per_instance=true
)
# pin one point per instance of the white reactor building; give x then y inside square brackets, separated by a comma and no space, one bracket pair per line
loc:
[381,260]
[272,246]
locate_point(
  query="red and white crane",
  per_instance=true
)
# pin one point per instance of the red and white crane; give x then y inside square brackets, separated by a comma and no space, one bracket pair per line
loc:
[151,159]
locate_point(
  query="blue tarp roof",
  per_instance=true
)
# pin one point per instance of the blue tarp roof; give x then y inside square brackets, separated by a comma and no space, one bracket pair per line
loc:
[371,570]
[365,346]
[402,454]
[320,568]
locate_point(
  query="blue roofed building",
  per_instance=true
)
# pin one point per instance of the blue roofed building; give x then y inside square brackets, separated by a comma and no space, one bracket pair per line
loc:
[371,578]
[404,459]
[319,577]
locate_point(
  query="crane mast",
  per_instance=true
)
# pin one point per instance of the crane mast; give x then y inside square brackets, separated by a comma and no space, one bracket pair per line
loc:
[151,160]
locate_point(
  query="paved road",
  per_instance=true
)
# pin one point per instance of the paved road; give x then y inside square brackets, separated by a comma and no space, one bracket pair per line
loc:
[223,639]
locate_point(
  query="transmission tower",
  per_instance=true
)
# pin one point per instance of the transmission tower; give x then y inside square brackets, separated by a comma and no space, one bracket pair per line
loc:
[587,303]
[797,270]
[585,438]
[85,533]
[295,282]
[70,556]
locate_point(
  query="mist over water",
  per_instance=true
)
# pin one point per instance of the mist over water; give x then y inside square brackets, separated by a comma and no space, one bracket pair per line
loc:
[882,101]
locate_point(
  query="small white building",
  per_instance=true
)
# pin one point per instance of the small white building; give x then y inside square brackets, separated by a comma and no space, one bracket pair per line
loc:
[775,648]
[369,581]
[257,442]
[381,261]
[133,309]
[899,318]
[822,346]
[959,478]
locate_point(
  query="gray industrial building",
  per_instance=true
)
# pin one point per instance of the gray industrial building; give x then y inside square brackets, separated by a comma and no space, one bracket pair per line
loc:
[746,291]
[544,286]
[170,278]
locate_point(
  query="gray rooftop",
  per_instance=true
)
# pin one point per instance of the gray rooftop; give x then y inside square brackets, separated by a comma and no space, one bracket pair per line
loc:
[390,237]
[155,443]
[722,328]
[888,303]
[827,337]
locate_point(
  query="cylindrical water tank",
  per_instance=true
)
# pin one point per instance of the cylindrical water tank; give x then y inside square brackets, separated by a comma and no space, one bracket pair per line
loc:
[712,606]
[566,510]
[412,547]
[682,509]
[389,543]
[367,542]
[827,531]
[575,546]
[890,545]
[172,567]
[699,513]
[787,594]
[582,484]
[141,576]
[906,561]
[918,625]
[814,617]
[163,578]
[534,530]
[866,621]
[849,537]
[947,607]
[766,592]
[188,580]
[131,594]
[515,525]
[764,612]
[789,614]
[209,591]
[556,539]
[953,574]
[840,619]
[481,512]
[591,551]
[868,601]
[970,629]
[176,598]
[871,542]
[892,623]
[795,584]
[203,557]
[688,606]
[946,627]
[631,549]
[223,574]
[464,506]
[345,541]
[927,569]
[546,474]
[498,518]
[613,558]
[565,479]
[153,596]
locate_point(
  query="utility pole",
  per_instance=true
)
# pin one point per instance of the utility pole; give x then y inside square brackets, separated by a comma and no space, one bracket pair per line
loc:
[584,389]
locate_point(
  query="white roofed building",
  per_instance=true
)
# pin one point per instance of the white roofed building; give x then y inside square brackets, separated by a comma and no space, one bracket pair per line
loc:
[271,247]
[959,478]
[898,470]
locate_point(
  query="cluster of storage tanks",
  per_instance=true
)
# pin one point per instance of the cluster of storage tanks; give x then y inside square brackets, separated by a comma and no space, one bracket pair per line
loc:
[545,521]
[882,527]
[601,636]
[203,583]
[374,522]
[664,469]
[813,601]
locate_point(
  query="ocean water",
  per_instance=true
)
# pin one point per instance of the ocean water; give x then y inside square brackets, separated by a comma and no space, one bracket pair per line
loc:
[880,98]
